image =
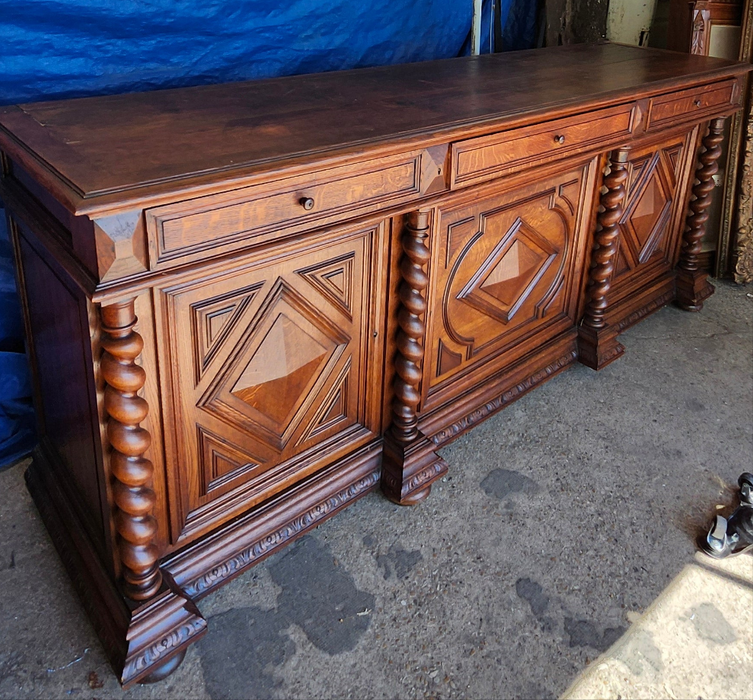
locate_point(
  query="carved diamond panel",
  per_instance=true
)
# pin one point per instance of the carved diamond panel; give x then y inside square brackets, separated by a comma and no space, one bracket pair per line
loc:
[334,279]
[269,364]
[505,275]
[213,321]
[222,463]
[511,270]
[648,211]
[280,363]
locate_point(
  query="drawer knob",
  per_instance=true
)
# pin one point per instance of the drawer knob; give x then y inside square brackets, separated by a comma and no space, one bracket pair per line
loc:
[307,203]
[559,138]
[697,103]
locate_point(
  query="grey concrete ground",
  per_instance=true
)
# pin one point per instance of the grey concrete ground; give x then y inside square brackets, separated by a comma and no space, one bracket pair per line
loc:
[561,520]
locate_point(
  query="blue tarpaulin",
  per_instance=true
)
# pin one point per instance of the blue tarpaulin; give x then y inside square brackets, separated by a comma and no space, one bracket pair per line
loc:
[54,49]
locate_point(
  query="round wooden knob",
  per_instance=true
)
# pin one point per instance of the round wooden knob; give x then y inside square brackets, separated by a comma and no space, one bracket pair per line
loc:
[307,203]
[559,138]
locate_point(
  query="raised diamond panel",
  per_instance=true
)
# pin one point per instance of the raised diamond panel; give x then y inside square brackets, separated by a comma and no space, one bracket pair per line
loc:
[648,211]
[278,367]
[509,272]
[281,369]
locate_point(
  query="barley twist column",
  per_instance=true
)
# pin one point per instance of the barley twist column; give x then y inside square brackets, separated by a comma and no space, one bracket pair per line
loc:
[132,472]
[692,284]
[597,342]
[411,331]
[410,464]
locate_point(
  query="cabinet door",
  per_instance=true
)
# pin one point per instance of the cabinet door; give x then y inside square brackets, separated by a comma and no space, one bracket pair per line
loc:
[506,276]
[651,226]
[269,367]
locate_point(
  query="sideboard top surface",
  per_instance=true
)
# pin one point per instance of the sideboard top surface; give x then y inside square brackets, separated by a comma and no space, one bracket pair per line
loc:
[126,145]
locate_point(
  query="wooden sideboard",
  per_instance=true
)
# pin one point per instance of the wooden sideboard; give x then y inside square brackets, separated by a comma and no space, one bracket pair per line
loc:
[249,304]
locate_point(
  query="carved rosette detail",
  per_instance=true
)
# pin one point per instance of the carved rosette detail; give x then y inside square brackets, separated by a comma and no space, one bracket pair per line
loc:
[132,472]
[411,331]
[605,240]
[696,222]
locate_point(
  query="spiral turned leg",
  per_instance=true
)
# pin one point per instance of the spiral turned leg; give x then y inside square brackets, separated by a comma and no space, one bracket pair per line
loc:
[691,283]
[597,340]
[410,463]
[132,472]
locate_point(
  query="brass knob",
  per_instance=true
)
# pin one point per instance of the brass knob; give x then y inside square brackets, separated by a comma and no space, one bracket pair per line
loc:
[307,203]
[697,103]
[559,138]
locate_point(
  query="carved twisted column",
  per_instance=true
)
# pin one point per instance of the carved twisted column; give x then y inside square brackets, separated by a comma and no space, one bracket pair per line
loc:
[597,341]
[411,331]
[410,464]
[692,284]
[132,472]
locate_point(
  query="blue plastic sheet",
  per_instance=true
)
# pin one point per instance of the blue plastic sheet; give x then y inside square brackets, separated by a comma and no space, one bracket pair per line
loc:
[53,49]
[66,48]
[16,411]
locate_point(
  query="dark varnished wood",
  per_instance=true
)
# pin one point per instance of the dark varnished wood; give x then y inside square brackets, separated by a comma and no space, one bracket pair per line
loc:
[410,464]
[176,135]
[692,282]
[597,341]
[248,305]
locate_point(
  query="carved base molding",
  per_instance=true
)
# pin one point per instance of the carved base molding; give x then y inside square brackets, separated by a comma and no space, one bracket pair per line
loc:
[140,639]
[693,288]
[649,308]
[408,471]
[146,641]
[598,348]
[507,389]
[215,560]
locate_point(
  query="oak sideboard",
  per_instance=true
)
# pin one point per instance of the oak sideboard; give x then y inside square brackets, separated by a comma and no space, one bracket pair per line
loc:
[248,305]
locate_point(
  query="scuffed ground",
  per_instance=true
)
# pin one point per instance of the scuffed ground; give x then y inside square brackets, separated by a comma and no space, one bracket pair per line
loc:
[561,520]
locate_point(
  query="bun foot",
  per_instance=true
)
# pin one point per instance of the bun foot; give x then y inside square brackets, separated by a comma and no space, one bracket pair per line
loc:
[413,499]
[164,670]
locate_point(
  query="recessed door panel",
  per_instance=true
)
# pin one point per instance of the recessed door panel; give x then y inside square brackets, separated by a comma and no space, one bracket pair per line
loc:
[269,369]
[506,275]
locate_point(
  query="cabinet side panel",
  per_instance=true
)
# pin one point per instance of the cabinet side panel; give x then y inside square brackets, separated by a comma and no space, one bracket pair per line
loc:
[56,314]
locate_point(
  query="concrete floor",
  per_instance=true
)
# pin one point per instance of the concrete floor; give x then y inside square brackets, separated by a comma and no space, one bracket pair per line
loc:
[562,519]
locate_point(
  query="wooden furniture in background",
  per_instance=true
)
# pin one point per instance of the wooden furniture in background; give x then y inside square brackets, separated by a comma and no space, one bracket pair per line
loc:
[720,28]
[247,304]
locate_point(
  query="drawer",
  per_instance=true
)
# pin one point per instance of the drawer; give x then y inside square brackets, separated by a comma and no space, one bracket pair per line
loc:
[228,221]
[692,104]
[485,157]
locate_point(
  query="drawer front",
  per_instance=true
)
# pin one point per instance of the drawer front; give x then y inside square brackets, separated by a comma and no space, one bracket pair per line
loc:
[218,223]
[505,279]
[270,367]
[692,105]
[485,157]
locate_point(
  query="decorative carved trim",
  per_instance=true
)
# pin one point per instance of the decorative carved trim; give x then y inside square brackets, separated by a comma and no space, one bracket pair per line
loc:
[652,306]
[179,636]
[699,32]
[424,476]
[505,398]
[263,546]
[410,352]
[132,472]
[743,249]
